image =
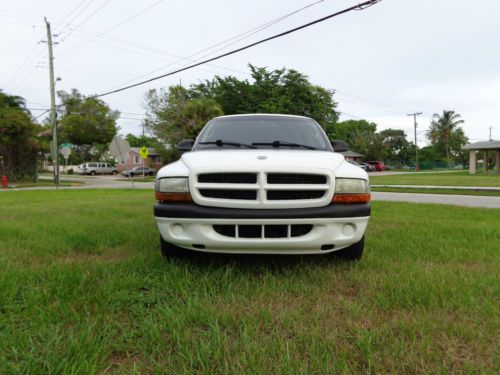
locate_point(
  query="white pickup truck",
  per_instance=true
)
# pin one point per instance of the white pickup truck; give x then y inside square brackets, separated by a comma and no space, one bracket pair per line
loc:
[262,184]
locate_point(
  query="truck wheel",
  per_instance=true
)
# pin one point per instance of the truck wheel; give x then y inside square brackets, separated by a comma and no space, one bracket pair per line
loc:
[353,252]
[92,173]
[115,172]
[171,251]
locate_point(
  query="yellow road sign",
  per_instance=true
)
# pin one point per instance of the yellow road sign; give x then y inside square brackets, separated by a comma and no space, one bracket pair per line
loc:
[144,152]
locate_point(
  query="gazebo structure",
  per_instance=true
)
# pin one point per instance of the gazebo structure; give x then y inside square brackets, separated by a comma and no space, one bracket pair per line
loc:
[485,147]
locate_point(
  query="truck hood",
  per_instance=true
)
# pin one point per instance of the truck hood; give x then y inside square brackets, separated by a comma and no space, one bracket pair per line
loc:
[244,158]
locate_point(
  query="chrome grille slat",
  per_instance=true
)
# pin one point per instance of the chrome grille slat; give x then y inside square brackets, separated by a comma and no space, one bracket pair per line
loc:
[228,178]
[295,178]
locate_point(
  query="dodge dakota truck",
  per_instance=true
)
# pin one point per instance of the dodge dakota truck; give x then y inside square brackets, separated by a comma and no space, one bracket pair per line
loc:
[262,184]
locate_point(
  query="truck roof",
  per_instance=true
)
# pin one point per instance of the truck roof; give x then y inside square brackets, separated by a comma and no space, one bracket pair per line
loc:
[263,114]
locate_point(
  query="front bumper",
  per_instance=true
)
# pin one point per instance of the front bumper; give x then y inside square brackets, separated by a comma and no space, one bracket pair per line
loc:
[190,226]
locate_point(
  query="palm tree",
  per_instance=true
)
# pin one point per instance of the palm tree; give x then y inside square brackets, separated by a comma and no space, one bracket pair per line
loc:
[442,128]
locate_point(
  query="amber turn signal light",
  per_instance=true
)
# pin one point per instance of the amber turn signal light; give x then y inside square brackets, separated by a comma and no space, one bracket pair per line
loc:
[173,197]
[351,198]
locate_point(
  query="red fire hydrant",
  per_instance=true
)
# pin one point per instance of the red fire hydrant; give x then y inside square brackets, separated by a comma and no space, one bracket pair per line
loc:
[5,183]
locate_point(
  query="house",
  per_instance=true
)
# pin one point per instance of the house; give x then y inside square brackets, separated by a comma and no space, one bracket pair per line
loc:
[135,160]
[352,155]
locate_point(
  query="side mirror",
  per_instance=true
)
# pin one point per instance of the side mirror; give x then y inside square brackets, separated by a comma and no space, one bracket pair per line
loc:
[339,146]
[185,145]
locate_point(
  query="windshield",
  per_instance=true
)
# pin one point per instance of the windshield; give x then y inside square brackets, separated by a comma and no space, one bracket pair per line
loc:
[262,132]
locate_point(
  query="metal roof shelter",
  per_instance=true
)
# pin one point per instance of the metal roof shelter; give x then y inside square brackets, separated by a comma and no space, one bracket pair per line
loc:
[485,147]
[352,155]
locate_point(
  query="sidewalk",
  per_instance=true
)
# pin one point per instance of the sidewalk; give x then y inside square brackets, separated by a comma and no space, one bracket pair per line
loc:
[479,188]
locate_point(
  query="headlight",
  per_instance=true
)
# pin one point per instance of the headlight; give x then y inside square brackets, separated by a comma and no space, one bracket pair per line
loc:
[351,186]
[172,185]
[172,189]
[351,190]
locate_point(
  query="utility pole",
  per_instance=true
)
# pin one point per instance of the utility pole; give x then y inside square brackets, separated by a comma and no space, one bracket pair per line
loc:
[415,114]
[331,92]
[53,119]
[491,127]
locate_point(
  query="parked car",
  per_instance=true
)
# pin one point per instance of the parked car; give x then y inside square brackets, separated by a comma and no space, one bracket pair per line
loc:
[262,184]
[368,167]
[353,162]
[377,164]
[139,171]
[94,168]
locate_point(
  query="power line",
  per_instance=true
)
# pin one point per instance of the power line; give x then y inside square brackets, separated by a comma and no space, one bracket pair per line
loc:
[233,40]
[41,114]
[72,30]
[114,27]
[67,19]
[360,6]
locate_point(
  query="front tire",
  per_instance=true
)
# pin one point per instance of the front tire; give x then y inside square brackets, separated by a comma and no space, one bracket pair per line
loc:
[169,250]
[353,252]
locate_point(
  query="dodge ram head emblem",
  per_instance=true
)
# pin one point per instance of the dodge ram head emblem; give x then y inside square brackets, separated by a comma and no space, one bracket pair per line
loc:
[261,157]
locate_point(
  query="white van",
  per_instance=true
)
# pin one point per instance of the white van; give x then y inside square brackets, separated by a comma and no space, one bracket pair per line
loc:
[94,168]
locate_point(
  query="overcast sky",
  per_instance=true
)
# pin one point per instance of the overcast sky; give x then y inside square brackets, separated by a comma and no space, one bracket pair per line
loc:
[396,57]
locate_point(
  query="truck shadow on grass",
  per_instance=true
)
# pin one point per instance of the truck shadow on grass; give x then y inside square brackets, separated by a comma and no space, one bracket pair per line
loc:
[257,263]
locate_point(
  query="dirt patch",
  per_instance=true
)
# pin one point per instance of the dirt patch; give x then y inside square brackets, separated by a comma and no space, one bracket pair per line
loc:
[109,256]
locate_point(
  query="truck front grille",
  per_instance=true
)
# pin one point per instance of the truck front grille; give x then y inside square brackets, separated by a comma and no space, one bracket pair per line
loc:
[263,231]
[273,189]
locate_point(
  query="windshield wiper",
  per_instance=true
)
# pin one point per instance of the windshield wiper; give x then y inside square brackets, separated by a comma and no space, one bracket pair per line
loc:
[277,144]
[221,143]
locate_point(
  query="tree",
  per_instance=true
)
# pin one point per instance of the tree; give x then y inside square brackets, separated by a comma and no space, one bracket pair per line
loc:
[18,146]
[171,115]
[360,136]
[445,134]
[397,148]
[139,141]
[277,91]
[88,122]
[176,112]
[12,102]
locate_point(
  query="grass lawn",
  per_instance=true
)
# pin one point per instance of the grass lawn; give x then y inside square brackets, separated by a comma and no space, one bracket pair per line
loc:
[84,289]
[462,178]
[438,191]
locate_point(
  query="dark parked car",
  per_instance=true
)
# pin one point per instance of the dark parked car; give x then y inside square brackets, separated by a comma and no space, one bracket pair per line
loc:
[379,165]
[139,171]
[368,167]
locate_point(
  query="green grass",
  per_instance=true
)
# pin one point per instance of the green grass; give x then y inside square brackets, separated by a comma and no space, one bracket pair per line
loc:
[462,178]
[486,193]
[84,289]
